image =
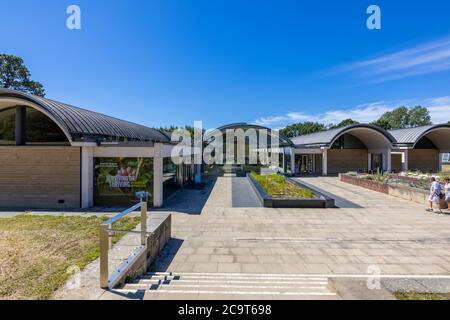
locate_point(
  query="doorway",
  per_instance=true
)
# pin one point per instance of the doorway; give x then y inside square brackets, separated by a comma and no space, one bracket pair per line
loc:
[377,162]
[305,164]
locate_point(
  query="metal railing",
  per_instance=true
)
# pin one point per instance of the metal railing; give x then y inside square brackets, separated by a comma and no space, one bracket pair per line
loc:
[106,234]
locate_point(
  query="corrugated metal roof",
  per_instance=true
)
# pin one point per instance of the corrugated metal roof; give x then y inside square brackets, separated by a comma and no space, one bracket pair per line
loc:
[327,137]
[412,135]
[317,138]
[87,125]
[284,141]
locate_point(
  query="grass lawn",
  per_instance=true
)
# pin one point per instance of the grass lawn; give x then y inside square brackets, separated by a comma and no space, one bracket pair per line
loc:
[37,250]
[278,186]
[421,296]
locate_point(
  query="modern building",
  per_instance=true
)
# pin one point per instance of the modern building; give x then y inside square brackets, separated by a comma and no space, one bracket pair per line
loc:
[365,147]
[256,140]
[57,156]
[54,155]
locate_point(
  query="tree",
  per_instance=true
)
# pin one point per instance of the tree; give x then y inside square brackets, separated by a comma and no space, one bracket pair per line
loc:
[171,129]
[403,117]
[299,129]
[383,123]
[419,116]
[15,75]
[343,123]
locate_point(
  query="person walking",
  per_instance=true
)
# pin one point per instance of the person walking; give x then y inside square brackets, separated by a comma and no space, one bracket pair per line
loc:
[447,192]
[435,195]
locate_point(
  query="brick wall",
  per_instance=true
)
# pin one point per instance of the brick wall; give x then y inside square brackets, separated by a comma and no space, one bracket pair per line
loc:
[425,160]
[39,177]
[345,160]
[368,184]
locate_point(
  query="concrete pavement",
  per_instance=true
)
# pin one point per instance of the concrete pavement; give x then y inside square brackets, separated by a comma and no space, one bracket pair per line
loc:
[395,235]
[407,246]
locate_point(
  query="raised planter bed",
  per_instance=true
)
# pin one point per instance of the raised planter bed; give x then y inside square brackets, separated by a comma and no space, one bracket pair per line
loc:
[396,190]
[318,201]
[368,184]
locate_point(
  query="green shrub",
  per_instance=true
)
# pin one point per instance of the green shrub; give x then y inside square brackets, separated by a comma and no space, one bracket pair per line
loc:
[278,186]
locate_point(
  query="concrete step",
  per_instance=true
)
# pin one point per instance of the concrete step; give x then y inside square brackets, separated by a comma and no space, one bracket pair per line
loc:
[223,286]
[235,278]
[216,286]
[168,275]
[231,282]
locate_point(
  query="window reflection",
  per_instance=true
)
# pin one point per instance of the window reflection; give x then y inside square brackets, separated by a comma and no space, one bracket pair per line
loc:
[7,126]
[40,129]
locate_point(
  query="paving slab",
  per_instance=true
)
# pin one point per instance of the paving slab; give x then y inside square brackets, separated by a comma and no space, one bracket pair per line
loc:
[382,231]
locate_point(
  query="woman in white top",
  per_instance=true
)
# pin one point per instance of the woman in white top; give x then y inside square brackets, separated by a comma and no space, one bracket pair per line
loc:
[435,194]
[447,192]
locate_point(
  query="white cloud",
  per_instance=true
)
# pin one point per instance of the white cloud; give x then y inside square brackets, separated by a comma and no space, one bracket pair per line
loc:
[439,110]
[423,59]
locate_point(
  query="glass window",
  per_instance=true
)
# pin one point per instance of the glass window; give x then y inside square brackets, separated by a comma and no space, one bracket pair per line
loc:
[118,179]
[169,172]
[40,129]
[288,163]
[377,162]
[8,126]
[425,143]
[447,157]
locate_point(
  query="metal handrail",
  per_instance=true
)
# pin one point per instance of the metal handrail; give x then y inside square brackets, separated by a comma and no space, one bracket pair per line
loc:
[106,233]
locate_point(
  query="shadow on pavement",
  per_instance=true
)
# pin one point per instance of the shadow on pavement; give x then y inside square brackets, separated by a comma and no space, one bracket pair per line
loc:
[139,295]
[243,195]
[339,201]
[167,255]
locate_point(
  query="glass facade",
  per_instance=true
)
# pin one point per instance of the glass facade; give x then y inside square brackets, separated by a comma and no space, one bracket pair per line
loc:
[169,177]
[288,161]
[305,164]
[118,179]
[377,162]
[8,126]
[41,130]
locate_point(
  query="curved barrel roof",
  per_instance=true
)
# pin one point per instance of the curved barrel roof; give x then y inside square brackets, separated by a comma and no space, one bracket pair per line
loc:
[85,125]
[243,125]
[413,135]
[325,138]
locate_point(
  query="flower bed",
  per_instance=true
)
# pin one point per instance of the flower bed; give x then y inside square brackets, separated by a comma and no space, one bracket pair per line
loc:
[363,182]
[404,187]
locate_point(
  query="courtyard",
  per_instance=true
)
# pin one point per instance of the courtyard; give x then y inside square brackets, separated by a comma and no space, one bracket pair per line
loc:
[224,245]
[366,229]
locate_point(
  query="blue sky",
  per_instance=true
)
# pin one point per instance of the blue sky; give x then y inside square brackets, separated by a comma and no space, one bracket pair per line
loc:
[168,62]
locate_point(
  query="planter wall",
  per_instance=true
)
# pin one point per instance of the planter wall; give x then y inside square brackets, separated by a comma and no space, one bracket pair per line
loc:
[399,191]
[368,184]
[409,193]
[321,201]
